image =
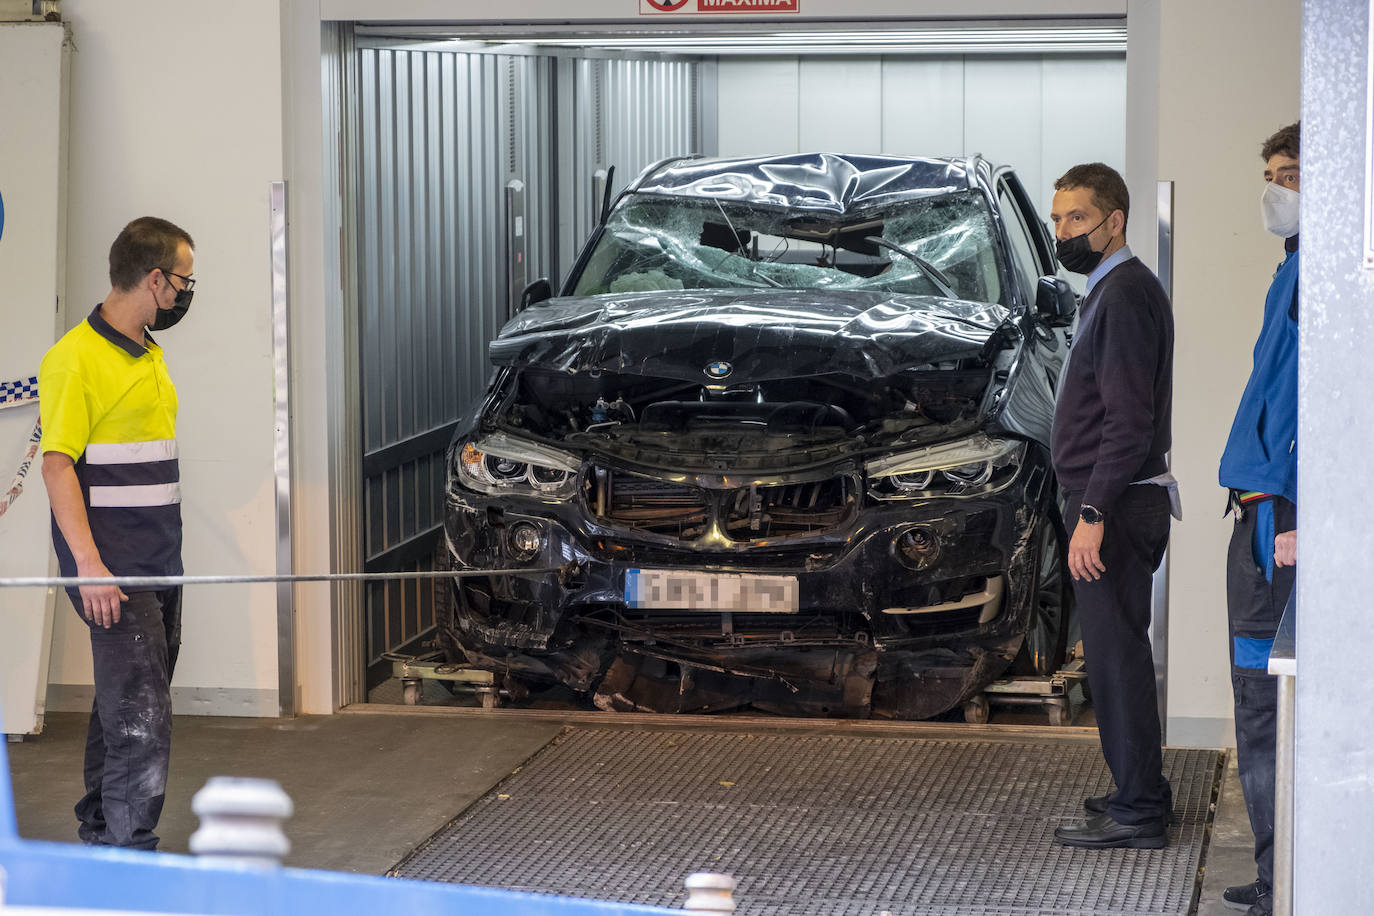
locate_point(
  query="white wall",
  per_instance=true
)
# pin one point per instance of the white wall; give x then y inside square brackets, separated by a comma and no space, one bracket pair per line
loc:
[1229,77]
[176,111]
[32,156]
[1026,112]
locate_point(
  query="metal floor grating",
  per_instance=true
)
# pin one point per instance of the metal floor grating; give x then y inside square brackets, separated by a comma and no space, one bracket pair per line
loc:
[816,824]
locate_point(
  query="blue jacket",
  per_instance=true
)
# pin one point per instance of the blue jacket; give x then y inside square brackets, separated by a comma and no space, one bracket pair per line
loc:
[1262,451]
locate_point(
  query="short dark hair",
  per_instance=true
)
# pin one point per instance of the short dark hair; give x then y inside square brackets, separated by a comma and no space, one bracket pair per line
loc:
[1284,141]
[1106,183]
[144,244]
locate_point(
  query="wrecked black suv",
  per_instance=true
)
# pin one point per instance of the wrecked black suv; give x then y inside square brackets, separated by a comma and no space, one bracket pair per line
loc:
[781,442]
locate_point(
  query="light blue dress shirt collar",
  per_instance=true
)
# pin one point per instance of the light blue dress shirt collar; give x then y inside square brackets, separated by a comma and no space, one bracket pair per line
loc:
[1122,255]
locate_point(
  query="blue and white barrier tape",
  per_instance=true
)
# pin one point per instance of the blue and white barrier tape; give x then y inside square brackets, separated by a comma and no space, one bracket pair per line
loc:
[17,485]
[20,391]
[15,394]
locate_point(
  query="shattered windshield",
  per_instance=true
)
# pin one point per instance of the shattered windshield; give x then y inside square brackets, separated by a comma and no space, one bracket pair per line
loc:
[656,242]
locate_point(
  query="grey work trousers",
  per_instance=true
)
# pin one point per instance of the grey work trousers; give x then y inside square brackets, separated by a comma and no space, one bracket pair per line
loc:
[129,739]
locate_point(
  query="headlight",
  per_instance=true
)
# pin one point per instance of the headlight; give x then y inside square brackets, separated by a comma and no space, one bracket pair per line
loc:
[968,467]
[502,466]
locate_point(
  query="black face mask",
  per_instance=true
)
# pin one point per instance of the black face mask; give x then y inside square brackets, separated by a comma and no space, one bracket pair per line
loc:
[181,303]
[1076,254]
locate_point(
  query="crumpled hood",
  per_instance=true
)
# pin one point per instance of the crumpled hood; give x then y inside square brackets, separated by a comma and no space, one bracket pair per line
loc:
[731,336]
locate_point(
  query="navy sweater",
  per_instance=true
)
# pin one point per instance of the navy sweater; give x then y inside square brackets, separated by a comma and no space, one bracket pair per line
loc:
[1112,419]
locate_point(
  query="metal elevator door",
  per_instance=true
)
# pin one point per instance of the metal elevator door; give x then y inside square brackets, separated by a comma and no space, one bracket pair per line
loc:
[440,134]
[436,143]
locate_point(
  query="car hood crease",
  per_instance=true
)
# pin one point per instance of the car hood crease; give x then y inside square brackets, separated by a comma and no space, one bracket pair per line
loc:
[745,334]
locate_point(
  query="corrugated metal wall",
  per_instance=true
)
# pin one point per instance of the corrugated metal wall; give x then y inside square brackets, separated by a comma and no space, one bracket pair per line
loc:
[630,114]
[653,107]
[439,135]
[1023,110]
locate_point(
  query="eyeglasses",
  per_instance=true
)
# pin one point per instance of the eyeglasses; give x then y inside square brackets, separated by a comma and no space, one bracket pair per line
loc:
[189,281]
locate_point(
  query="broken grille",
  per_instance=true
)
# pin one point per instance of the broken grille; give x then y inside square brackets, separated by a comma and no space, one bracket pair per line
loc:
[758,513]
[646,504]
[753,513]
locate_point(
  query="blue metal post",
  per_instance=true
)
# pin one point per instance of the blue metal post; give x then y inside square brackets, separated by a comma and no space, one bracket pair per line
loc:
[9,827]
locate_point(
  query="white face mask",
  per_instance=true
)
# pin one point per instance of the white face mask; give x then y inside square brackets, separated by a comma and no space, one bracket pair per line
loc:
[1279,210]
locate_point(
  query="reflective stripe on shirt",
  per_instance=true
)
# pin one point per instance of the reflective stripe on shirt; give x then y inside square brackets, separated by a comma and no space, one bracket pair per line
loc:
[154,494]
[131,452]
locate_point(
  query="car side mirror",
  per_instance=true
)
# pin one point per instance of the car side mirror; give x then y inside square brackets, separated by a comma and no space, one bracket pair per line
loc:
[1055,301]
[537,291]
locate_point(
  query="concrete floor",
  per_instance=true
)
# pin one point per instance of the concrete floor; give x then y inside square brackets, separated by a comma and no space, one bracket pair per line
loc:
[393,778]
[366,789]
[1231,854]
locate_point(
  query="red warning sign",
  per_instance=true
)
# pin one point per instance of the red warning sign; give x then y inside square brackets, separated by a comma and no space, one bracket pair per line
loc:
[716,7]
[748,6]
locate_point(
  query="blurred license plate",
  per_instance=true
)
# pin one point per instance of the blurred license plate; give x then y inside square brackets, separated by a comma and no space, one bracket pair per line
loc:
[667,589]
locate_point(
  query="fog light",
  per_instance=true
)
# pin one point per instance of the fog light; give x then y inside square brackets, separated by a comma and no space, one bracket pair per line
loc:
[525,541]
[918,547]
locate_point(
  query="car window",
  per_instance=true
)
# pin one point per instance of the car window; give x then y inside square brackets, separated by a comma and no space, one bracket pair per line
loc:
[1022,249]
[657,242]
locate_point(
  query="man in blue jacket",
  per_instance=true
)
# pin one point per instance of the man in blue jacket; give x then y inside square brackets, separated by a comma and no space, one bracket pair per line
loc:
[1260,468]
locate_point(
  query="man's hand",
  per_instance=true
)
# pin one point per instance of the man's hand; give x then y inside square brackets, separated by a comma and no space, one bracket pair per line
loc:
[1085,560]
[101,602]
[1286,548]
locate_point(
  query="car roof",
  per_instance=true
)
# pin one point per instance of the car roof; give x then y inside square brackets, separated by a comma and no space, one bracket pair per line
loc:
[823,182]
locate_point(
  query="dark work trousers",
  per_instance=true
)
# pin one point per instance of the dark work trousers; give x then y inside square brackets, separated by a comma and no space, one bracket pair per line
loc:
[1254,605]
[1115,615]
[129,740]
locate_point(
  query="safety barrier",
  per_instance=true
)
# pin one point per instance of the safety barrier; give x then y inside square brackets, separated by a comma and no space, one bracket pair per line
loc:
[17,394]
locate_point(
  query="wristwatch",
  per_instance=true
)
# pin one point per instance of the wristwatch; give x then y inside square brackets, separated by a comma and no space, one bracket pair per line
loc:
[1091,515]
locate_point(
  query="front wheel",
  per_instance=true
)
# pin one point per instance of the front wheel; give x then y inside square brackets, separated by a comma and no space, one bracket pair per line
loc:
[1042,652]
[444,599]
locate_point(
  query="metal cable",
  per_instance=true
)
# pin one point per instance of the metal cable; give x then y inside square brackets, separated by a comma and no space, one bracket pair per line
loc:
[170,581]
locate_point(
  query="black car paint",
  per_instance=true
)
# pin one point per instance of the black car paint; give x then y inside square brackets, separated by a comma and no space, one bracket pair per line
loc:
[840,655]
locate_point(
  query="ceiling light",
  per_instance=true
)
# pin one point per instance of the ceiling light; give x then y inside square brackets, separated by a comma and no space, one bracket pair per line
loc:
[881,39]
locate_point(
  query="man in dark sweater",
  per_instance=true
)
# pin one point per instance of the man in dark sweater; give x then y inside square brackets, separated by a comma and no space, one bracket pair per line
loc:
[1111,433]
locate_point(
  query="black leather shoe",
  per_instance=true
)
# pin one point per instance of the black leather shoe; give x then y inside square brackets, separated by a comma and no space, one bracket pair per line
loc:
[1102,832]
[1243,896]
[1097,804]
[1264,906]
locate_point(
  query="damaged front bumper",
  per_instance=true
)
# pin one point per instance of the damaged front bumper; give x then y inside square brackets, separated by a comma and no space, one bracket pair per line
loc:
[905,610]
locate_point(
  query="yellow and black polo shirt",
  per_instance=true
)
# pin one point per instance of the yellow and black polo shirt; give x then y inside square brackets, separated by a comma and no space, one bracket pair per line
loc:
[109,403]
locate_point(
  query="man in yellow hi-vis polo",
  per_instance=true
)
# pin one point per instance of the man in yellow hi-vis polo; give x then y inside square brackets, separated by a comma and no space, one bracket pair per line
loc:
[109,414]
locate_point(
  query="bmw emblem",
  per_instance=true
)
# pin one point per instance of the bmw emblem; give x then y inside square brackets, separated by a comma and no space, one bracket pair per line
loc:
[719,369]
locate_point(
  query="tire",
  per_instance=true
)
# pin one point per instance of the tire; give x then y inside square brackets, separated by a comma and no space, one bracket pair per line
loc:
[1046,643]
[444,622]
